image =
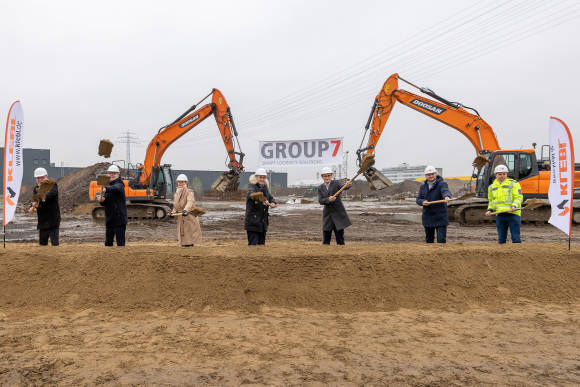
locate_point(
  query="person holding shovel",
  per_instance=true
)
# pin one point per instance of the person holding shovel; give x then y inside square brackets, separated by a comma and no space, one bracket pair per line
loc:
[435,217]
[112,197]
[505,201]
[334,216]
[188,228]
[45,204]
[258,201]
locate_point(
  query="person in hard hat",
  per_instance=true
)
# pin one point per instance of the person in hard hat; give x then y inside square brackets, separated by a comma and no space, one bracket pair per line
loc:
[47,209]
[113,199]
[256,220]
[334,216]
[188,228]
[435,218]
[505,201]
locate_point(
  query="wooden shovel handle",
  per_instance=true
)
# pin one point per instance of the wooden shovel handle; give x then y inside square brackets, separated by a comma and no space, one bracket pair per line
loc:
[439,201]
[344,186]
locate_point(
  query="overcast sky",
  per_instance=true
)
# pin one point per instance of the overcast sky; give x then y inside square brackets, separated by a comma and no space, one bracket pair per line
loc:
[289,70]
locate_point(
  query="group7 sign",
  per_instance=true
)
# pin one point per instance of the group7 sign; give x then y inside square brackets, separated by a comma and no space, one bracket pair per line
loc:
[325,151]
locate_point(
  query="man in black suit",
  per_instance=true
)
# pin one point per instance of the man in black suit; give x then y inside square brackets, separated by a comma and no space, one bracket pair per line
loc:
[334,216]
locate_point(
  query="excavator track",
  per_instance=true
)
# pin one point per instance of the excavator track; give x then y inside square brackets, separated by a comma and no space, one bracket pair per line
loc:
[138,212]
[472,213]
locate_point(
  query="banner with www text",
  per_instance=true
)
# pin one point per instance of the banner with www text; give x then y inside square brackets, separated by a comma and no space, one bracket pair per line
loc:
[561,191]
[13,162]
[323,151]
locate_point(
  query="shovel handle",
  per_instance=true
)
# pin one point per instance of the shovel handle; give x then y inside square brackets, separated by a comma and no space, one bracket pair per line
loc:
[505,212]
[439,201]
[344,187]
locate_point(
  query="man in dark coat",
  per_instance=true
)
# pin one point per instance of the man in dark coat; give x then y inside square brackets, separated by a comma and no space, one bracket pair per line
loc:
[435,217]
[334,216]
[113,199]
[258,201]
[47,209]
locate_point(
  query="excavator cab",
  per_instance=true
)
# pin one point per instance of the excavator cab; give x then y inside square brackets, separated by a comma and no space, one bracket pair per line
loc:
[521,164]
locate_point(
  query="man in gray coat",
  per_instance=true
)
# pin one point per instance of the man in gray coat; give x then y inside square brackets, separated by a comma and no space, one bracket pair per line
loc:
[334,216]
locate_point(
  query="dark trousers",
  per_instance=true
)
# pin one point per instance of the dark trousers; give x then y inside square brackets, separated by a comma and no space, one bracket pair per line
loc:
[115,232]
[338,234]
[505,221]
[256,238]
[51,233]
[441,234]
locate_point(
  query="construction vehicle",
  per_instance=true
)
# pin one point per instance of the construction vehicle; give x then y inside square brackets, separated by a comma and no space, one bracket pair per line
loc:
[150,192]
[533,173]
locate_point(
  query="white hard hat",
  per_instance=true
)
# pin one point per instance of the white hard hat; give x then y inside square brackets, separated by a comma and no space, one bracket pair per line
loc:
[430,169]
[182,177]
[39,172]
[113,168]
[326,171]
[260,172]
[501,168]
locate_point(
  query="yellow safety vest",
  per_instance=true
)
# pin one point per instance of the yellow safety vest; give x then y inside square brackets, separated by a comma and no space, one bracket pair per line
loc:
[504,196]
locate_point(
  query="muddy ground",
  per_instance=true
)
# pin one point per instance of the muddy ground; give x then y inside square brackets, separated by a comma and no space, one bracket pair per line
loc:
[290,313]
[373,222]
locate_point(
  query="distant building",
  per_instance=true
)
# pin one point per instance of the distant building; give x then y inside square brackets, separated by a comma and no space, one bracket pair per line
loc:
[199,180]
[405,171]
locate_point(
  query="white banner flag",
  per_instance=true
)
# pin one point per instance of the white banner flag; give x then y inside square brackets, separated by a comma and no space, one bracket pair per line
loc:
[562,175]
[13,161]
[325,151]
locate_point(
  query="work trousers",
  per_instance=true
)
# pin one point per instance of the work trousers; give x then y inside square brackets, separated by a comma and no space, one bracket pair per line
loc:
[505,221]
[44,235]
[327,236]
[256,238]
[115,232]
[441,234]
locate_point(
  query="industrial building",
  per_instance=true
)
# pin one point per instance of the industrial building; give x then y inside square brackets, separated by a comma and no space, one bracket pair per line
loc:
[199,180]
[405,171]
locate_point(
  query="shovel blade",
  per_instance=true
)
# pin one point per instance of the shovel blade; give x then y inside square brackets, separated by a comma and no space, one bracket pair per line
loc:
[227,182]
[376,179]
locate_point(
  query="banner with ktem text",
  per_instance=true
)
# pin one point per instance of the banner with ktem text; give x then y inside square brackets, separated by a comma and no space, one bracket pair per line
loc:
[561,190]
[13,161]
[324,151]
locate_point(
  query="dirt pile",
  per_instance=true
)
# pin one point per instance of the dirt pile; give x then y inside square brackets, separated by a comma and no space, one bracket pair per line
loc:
[73,189]
[233,276]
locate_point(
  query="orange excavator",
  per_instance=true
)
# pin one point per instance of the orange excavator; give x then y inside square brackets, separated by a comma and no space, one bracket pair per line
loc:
[149,194]
[523,164]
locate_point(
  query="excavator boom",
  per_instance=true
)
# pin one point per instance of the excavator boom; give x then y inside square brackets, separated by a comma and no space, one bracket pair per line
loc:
[472,126]
[167,135]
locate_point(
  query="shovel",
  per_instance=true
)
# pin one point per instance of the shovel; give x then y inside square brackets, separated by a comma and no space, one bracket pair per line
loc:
[367,161]
[196,211]
[463,197]
[503,212]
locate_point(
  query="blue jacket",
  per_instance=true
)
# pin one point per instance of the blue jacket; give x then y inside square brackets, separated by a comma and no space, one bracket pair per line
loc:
[115,204]
[434,215]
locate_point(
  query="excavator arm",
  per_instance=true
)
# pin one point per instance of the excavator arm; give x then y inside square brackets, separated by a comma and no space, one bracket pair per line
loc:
[453,114]
[168,134]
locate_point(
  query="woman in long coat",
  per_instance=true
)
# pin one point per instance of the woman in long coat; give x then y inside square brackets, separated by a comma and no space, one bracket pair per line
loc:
[435,217]
[188,228]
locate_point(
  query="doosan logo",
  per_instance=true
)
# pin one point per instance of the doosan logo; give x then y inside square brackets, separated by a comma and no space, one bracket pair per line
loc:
[189,121]
[427,106]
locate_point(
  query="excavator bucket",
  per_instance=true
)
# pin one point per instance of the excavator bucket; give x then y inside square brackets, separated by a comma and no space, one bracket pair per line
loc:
[376,179]
[480,161]
[227,182]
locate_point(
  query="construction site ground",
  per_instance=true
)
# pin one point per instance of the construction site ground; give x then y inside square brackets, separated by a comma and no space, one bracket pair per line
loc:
[384,310]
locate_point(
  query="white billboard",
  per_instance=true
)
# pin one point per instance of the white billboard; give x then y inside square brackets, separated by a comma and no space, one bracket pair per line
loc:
[324,151]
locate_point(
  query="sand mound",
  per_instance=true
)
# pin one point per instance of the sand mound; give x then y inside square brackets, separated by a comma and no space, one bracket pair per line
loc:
[356,278]
[73,189]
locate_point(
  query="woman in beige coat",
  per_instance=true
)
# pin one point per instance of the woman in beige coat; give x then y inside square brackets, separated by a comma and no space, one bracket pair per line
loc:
[188,229]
